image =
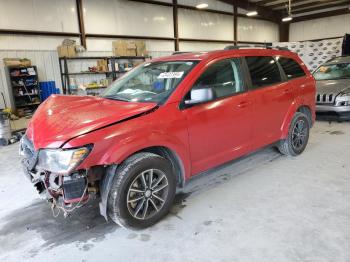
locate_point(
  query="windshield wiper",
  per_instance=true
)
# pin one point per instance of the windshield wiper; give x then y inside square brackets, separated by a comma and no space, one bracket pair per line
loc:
[117,98]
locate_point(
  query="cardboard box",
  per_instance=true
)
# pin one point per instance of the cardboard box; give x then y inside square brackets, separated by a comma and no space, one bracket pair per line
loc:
[102,65]
[119,47]
[62,51]
[124,48]
[66,51]
[71,51]
[141,48]
[17,62]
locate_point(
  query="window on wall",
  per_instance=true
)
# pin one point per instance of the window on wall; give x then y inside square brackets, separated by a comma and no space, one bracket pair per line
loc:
[223,77]
[195,24]
[121,17]
[257,30]
[263,71]
[291,68]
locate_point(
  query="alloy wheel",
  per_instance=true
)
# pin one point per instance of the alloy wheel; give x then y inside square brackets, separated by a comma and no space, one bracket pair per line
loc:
[299,134]
[147,194]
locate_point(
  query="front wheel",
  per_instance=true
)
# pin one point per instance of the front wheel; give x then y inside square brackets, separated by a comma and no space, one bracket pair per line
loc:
[142,192]
[298,136]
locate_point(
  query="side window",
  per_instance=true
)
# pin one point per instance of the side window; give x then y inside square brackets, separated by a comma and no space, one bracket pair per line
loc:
[263,71]
[290,67]
[223,77]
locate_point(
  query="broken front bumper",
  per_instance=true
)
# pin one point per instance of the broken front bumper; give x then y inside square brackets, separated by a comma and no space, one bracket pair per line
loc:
[70,188]
[29,160]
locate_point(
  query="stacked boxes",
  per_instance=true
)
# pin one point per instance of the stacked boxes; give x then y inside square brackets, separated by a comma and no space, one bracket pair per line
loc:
[129,48]
[17,62]
[66,50]
[102,65]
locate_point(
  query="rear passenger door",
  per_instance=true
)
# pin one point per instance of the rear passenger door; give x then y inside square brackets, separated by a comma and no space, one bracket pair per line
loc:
[297,78]
[271,96]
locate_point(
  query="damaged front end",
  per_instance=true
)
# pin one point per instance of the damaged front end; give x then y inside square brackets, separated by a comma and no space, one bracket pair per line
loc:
[52,171]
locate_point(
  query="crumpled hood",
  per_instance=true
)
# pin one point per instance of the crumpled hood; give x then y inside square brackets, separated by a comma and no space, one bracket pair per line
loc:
[333,86]
[61,118]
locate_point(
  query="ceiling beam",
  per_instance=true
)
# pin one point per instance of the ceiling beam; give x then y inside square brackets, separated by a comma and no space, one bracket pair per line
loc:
[327,4]
[264,2]
[321,15]
[264,12]
[318,8]
[296,3]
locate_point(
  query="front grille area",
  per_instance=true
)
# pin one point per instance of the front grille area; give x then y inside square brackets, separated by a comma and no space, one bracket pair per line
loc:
[325,98]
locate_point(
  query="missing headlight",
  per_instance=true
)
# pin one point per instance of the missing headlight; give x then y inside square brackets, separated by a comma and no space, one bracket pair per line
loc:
[74,188]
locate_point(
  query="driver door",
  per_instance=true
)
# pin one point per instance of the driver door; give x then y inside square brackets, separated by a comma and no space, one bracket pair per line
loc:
[220,129]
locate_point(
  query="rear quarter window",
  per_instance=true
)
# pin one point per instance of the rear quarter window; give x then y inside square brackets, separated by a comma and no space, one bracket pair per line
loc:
[263,71]
[291,68]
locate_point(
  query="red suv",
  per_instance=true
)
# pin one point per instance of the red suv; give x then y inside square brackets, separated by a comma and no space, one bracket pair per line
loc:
[162,123]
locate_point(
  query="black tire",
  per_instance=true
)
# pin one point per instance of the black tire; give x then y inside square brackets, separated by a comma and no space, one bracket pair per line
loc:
[288,145]
[118,207]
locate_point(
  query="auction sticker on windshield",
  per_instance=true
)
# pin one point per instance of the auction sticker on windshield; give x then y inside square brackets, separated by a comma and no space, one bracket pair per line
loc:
[171,75]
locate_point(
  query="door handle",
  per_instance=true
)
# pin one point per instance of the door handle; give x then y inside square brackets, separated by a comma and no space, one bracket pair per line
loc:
[243,104]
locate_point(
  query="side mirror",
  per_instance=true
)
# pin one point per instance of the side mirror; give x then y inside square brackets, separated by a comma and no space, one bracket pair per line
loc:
[200,96]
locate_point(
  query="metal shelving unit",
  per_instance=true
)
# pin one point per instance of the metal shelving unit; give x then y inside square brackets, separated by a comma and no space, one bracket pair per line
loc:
[114,74]
[23,88]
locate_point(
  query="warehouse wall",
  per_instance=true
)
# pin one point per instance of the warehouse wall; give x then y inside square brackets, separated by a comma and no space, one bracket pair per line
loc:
[40,15]
[123,17]
[334,26]
[116,17]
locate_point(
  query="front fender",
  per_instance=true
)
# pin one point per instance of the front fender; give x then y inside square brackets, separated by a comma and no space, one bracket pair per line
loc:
[117,153]
[113,144]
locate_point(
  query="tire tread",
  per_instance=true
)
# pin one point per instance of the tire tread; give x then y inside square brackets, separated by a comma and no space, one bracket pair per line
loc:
[285,146]
[114,200]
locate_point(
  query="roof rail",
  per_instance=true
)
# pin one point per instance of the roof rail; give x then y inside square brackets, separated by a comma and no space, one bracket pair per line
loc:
[266,46]
[280,48]
[180,53]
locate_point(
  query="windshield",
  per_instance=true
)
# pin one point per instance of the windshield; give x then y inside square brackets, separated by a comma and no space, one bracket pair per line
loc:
[333,72]
[150,82]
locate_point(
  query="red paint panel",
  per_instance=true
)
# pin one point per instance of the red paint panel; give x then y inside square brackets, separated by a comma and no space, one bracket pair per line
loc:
[61,118]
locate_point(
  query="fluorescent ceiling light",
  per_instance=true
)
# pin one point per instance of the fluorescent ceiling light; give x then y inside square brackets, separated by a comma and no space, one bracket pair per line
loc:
[202,6]
[252,13]
[287,19]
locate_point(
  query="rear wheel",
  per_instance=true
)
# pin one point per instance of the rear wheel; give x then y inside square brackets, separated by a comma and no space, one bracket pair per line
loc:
[143,191]
[298,136]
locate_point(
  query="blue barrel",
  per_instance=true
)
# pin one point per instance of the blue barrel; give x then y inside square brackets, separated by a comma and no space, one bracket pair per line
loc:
[47,88]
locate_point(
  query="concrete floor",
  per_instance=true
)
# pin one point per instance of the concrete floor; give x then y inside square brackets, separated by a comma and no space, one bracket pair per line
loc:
[265,207]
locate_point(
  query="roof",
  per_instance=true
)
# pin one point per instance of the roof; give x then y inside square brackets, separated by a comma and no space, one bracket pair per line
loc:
[219,53]
[338,60]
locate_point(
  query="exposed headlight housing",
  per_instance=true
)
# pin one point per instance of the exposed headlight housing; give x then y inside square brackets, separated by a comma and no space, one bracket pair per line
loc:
[62,161]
